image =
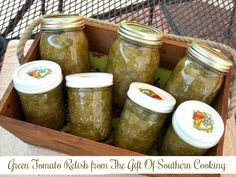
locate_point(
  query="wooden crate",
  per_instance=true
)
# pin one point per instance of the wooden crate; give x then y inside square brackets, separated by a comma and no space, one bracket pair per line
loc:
[100,39]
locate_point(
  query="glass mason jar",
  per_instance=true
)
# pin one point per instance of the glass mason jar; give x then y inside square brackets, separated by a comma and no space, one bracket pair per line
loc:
[199,75]
[143,117]
[195,128]
[90,107]
[64,42]
[133,57]
[39,87]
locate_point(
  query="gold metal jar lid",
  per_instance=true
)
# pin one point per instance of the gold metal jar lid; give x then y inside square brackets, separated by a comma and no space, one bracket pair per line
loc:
[62,22]
[209,57]
[140,33]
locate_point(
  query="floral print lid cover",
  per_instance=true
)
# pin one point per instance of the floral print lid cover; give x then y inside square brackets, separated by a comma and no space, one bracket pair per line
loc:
[198,124]
[37,77]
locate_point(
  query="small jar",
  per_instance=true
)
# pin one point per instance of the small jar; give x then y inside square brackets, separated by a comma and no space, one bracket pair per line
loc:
[195,128]
[64,42]
[199,75]
[90,107]
[143,117]
[133,57]
[39,87]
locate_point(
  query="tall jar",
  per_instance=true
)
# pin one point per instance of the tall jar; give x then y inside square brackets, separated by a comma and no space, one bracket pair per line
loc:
[143,117]
[195,128]
[133,57]
[64,42]
[199,75]
[39,87]
[90,107]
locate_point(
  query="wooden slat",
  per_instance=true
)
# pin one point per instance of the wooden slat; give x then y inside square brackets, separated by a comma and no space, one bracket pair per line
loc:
[62,142]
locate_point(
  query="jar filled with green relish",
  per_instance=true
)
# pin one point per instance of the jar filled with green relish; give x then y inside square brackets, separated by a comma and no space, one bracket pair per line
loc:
[39,87]
[143,117]
[195,128]
[133,57]
[90,106]
[199,75]
[64,42]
